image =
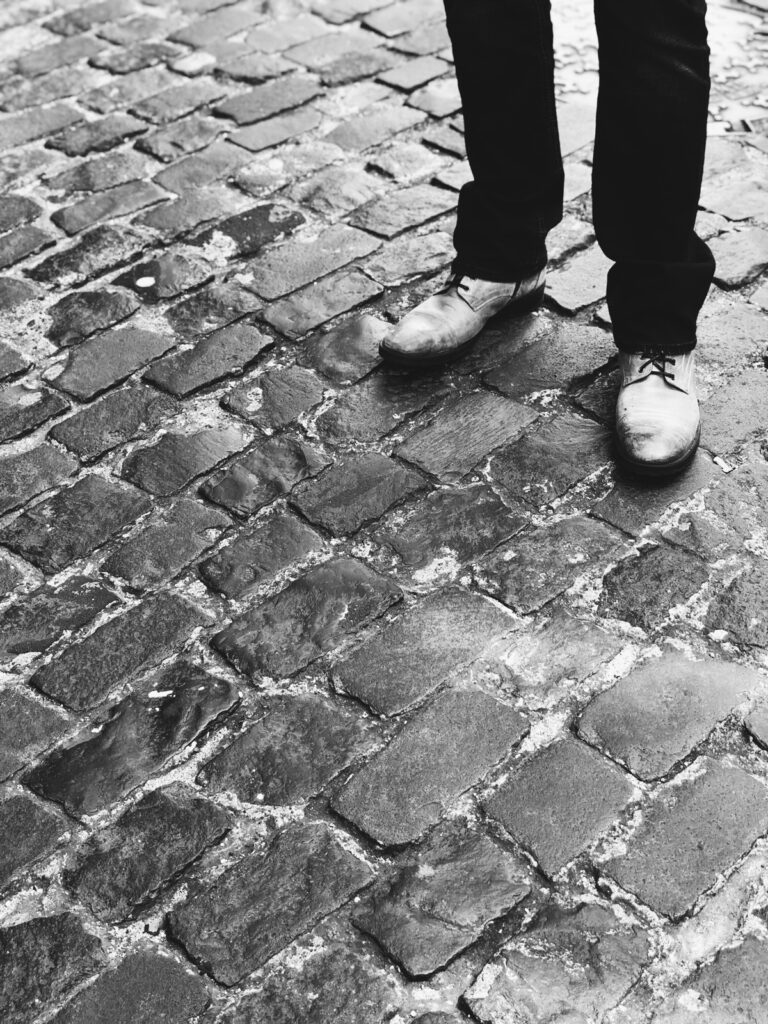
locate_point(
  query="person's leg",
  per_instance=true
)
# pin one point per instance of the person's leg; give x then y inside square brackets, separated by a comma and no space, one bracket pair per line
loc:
[505,71]
[648,162]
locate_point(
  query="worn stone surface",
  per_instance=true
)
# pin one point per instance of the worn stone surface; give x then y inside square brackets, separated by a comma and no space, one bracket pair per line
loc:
[134,740]
[29,831]
[317,303]
[272,468]
[108,359]
[307,619]
[83,675]
[353,492]
[690,836]
[258,553]
[38,620]
[29,473]
[247,233]
[148,845]
[166,277]
[81,314]
[736,608]
[96,251]
[276,398]
[377,406]
[445,892]
[142,987]
[575,963]
[22,409]
[297,745]
[74,522]
[415,654]
[443,751]
[346,353]
[27,727]
[43,959]
[165,547]
[176,459]
[656,716]
[224,353]
[673,576]
[303,876]
[542,563]
[558,803]
[409,207]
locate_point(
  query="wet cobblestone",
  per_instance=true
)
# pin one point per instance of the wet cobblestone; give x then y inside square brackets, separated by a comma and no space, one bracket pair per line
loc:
[330,692]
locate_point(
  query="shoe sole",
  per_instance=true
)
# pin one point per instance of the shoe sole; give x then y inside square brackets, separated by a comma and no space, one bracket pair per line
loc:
[656,470]
[528,304]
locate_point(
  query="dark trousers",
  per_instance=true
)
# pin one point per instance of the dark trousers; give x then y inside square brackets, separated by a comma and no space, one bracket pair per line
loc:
[648,156]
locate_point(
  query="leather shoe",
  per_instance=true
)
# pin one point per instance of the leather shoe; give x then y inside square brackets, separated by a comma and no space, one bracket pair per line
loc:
[657,413]
[443,326]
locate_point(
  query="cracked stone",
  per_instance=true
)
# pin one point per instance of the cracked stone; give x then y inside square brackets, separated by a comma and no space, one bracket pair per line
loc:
[117,418]
[74,522]
[441,752]
[27,727]
[671,575]
[29,473]
[85,672]
[277,398]
[272,468]
[224,353]
[125,864]
[418,652]
[560,802]
[42,960]
[691,835]
[174,461]
[310,617]
[258,554]
[81,314]
[29,831]
[304,875]
[298,744]
[135,740]
[544,562]
[443,896]
[167,545]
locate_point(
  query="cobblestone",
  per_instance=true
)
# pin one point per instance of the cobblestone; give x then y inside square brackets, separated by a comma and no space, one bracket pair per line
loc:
[27,728]
[81,314]
[29,832]
[118,417]
[30,473]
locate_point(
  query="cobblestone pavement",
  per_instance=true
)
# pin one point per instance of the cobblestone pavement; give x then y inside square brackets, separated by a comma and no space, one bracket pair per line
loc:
[330,694]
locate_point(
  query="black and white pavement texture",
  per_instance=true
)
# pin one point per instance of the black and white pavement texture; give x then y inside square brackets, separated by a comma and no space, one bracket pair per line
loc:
[331,694]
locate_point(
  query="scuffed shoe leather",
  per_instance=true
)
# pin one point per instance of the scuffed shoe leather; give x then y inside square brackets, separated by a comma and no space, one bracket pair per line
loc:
[444,325]
[657,412]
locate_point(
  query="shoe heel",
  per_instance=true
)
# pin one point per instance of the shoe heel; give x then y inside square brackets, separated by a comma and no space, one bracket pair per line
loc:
[529,303]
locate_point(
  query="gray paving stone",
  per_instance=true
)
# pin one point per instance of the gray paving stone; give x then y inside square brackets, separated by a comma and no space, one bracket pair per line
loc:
[581,282]
[372,128]
[105,360]
[443,751]
[189,135]
[268,100]
[658,714]
[378,405]
[215,163]
[297,262]
[16,210]
[114,202]
[438,99]
[27,727]
[97,251]
[741,256]
[410,256]
[127,863]
[298,744]
[173,103]
[276,398]
[18,129]
[429,38]
[444,894]
[559,802]
[96,136]
[145,986]
[544,562]
[167,545]
[134,739]
[224,353]
[218,25]
[84,18]
[80,314]
[43,959]
[573,963]
[457,523]
[738,608]
[166,277]
[29,831]
[316,53]
[307,619]
[60,54]
[406,208]
[671,575]
[15,293]
[73,523]
[174,461]
[690,836]
[192,211]
[352,67]
[756,724]
[275,130]
[416,653]
[348,352]
[25,241]
[258,554]
[394,19]
[254,68]
[247,233]
[272,468]
[465,431]
[334,191]
[39,619]
[734,412]
[143,77]
[212,307]
[134,58]
[29,473]
[332,982]
[119,417]
[304,875]
[355,491]
[86,672]
[414,73]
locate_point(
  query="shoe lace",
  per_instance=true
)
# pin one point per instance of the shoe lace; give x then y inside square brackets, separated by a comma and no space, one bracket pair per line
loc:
[454,281]
[659,361]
